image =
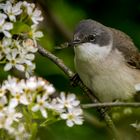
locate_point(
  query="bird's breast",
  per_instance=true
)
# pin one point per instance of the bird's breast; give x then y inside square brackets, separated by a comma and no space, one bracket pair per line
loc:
[108,78]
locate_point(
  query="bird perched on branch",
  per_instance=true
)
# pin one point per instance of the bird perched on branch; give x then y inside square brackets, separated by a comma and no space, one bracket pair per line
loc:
[106,60]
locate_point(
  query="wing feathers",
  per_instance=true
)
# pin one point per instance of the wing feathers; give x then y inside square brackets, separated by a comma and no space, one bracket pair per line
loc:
[125,45]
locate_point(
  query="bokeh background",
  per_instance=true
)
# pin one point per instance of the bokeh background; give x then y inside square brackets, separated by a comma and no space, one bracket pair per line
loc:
[60,19]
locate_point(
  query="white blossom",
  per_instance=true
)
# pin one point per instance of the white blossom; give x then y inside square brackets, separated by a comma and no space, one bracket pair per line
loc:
[2,91]
[35,94]
[15,88]
[12,10]
[25,43]
[3,16]
[68,101]
[13,61]
[33,12]
[73,116]
[48,88]
[29,68]
[31,83]
[29,46]
[5,26]
[41,105]
[18,98]
[20,133]
[7,117]
[10,83]
[19,56]
[5,46]
[3,102]
[34,34]
[36,16]
[55,106]
[6,42]
[29,6]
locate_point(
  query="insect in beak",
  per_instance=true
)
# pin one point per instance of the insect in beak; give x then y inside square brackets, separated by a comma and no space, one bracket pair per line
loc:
[74,43]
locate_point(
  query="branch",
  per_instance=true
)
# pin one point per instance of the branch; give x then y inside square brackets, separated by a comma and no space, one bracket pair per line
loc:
[56,60]
[122,104]
[70,74]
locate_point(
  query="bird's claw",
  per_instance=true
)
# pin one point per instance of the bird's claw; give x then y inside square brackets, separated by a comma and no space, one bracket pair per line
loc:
[74,80]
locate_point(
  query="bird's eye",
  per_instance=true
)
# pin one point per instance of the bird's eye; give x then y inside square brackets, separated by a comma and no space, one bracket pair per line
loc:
[91,37]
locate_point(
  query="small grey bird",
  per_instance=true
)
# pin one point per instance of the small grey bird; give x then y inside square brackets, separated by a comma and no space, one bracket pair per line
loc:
[106,60]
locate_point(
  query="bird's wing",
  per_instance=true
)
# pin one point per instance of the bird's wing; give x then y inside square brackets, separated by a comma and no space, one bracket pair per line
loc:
[126,46]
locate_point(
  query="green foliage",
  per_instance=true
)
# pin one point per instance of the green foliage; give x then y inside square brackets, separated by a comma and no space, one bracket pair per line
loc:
[20,27]
[68,14]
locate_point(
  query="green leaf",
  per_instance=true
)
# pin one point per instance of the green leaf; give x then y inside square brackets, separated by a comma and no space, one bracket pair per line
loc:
[27,115]
[20,27]
[34,128]
[50,120]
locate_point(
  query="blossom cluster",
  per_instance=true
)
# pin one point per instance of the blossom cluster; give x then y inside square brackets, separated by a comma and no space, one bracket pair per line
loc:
[36,95]
[68,108]
[19,35]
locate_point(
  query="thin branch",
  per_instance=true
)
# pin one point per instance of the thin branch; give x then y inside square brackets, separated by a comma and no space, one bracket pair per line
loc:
[56,60]
[116,104]
[70,74]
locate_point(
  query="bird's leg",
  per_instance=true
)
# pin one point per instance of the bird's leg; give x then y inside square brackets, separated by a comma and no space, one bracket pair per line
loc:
[105,109]
[74,80]
[102,111]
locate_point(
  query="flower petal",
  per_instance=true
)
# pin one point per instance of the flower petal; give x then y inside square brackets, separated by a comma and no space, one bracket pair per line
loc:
[64,116]
[75,103]
[20,67]
[43,112]
[8,66]
[7,34]
[38,34]
[62,95]
[24,100]
[71,97]
[7,26]
[78,121]
[35,108]
[13,103]
[70,123]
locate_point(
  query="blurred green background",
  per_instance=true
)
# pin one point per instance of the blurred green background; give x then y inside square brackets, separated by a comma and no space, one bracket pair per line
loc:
[61,17]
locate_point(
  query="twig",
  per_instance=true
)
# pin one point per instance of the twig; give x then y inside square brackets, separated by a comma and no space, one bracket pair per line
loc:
[56,60]
[116,104]
[70,74]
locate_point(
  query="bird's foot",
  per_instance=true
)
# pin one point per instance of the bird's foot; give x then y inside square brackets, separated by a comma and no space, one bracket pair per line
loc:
[74,80]
[103,111]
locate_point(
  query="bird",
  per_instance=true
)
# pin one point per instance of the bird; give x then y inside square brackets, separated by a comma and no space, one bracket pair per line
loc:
[106,60]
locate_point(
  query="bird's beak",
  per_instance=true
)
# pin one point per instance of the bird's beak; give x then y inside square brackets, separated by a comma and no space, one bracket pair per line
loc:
[74,43]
